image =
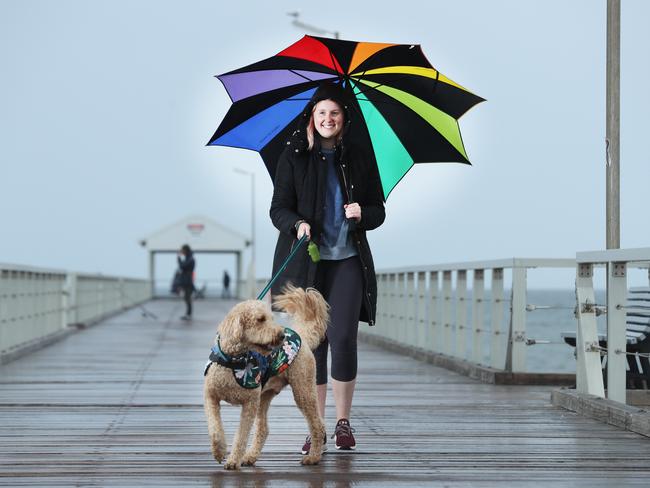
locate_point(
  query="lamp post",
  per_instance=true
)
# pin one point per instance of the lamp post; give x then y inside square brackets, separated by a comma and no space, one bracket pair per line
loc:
[612,141]
[296,22]
[252,267]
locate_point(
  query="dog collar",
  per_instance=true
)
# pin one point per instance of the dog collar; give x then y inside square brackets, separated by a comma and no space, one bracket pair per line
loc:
[220,357]
[253,369]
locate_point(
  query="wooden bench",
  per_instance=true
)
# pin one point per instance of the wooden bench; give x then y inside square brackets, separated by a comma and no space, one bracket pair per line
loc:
[637,332]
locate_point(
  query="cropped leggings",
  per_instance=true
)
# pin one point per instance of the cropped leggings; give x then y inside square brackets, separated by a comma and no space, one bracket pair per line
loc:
[341,284]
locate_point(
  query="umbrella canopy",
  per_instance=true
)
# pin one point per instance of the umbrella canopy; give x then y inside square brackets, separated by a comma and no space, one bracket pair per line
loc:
[403,111]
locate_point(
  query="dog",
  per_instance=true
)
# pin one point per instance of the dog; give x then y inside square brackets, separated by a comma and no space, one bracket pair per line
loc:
[249,348]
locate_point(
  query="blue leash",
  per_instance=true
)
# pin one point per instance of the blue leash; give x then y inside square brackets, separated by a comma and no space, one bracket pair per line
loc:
[284,265]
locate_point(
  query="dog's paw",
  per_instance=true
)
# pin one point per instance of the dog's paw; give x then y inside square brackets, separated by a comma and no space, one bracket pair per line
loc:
[232,464]
[248,460]
[310,460]
[218,453]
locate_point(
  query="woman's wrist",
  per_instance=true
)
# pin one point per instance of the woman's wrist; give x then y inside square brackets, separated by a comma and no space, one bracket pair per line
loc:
[297,224]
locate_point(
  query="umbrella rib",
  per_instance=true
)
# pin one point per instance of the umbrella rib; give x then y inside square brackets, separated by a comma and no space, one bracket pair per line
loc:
[334,63]
[301,75]
[396,75]
[361,92]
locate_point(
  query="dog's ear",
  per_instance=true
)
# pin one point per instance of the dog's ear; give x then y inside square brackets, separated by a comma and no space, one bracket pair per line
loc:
[231,330]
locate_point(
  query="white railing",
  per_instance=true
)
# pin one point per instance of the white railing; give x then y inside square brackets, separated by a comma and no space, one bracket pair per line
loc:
[36,303]
[589,376]
[426,308]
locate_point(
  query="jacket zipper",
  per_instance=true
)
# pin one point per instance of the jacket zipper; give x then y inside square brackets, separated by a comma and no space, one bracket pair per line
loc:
[345,183]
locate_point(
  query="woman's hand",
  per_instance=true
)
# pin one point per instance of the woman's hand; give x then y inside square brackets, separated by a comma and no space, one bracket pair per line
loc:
[303,229]
[353,211]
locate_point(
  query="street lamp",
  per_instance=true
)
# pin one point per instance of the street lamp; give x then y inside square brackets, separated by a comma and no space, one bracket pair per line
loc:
[252,270]
[308,27]
[613,129]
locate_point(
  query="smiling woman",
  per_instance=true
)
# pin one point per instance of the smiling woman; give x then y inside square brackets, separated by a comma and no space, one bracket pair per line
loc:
[327,118]
[325,188]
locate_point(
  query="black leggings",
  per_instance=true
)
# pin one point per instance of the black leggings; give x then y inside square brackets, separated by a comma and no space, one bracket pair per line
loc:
[341,284]
[187,295]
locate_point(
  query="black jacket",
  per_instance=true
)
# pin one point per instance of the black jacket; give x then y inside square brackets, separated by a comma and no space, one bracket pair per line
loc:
[299,194]
[186,267]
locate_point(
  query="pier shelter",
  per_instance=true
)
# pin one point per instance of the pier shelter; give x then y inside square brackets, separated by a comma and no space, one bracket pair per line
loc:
[203,235]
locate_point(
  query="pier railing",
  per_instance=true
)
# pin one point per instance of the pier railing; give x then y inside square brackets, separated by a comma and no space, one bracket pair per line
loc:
[426,308]
[37,304]
[589,376]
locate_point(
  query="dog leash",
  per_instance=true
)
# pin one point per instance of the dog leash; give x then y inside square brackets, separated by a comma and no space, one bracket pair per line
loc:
[284,265]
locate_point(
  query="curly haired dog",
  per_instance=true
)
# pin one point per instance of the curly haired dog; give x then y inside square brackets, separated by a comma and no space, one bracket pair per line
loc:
[236,373]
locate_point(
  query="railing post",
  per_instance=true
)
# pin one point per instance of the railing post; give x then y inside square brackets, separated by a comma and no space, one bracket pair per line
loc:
[421,310]
[497,349]
[121,294]
[410,310]
[70,300]
[18,310]
[461,314]
[616,340]
[380,319]
[589,376]
[387,322]
[401,308]
[393,331]
[433,339]
[518,321]
[478,293]
[4,312]
[446,312]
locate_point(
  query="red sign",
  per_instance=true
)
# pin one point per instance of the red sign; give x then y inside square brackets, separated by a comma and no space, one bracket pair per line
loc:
[195,229]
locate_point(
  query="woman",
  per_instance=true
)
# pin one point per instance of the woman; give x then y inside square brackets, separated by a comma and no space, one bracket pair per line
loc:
[186,265]
[326,189]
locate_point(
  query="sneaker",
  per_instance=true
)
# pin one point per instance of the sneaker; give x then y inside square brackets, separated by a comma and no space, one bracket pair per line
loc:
[344,439]
[307,445]
[186,317]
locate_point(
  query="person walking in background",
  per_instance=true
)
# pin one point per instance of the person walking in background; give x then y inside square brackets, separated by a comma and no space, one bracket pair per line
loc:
[225,290]
[326,189]
[186,265]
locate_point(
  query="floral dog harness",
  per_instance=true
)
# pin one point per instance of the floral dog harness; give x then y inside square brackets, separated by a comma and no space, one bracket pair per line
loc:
[253,369]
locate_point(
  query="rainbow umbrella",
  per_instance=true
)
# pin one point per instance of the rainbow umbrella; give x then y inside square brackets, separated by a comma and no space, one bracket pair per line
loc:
[403,110]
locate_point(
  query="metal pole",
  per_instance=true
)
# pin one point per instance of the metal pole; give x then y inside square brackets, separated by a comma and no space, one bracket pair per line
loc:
[253,220]
[612,141]
[252,267]
[615,387]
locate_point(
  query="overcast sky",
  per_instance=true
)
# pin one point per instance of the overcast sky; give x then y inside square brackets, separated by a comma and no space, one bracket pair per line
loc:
[107,107]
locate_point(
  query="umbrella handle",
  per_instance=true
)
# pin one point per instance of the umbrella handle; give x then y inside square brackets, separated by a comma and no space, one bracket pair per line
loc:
[284,265]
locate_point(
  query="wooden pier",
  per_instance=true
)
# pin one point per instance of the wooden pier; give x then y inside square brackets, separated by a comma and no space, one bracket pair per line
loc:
[120,404]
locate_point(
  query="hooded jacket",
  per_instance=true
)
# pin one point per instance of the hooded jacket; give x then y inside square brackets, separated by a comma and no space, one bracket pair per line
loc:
[299,194]
[186,268]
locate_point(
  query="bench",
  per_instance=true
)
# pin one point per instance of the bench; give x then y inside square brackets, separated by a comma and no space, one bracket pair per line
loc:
[637,332]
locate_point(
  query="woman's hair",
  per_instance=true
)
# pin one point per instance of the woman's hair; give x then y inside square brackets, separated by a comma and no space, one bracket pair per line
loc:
[311,128]
[186,249]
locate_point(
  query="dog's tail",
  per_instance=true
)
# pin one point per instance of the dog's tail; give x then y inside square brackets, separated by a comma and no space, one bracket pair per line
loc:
[309,311]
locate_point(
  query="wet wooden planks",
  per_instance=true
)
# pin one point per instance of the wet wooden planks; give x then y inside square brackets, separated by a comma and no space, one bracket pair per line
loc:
[120,404]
